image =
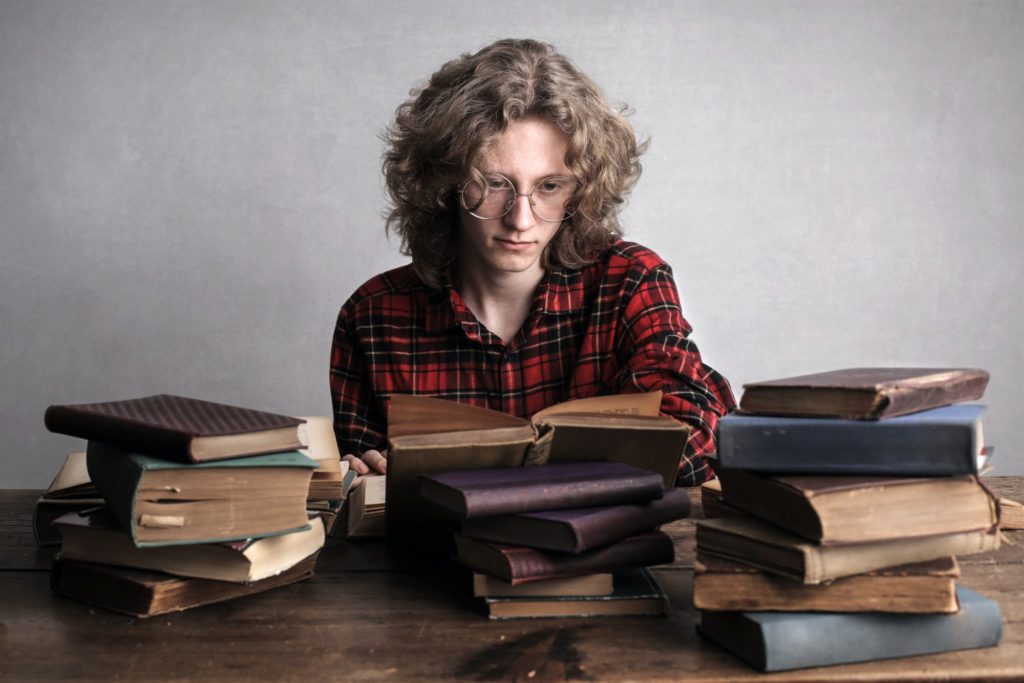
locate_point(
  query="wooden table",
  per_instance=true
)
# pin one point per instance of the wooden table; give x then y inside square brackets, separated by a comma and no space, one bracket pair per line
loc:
[367,616]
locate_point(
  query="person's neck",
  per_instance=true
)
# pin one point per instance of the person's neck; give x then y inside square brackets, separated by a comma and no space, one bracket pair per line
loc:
[501,301]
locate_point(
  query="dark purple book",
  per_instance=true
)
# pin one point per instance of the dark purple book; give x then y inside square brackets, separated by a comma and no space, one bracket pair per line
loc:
[467,494]
[579,529]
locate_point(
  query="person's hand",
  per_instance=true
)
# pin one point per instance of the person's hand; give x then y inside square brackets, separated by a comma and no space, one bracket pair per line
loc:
[370,462]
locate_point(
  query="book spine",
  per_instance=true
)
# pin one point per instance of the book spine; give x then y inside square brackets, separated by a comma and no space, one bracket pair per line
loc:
[559,495]
[527,564]
[127,434]
[116,476]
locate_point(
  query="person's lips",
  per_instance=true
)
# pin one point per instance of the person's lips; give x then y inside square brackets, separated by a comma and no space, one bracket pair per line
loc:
[513,245]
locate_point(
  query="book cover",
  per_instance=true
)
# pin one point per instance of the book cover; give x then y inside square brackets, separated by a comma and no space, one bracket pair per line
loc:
[780,641]
[166,502]
[937,442]
[764,546]
[601,583]
[580,529]
[864,393]
[850,509]
[470,494]
[177,427]
[366,506]
[636,592]
[517,564]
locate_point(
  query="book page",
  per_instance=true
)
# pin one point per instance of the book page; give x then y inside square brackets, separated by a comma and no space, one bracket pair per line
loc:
[318,435]
[626,404]
[72,473]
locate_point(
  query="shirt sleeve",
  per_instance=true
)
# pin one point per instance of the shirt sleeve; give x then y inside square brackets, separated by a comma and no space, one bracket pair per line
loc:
[657,353]
[358,425]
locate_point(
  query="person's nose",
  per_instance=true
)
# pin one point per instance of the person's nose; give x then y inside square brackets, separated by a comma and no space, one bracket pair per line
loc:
[520,216]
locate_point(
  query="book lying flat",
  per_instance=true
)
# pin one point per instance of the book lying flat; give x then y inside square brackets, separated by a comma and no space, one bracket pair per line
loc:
[937,442]
[177,427]
[849,509]
[365,507]
[165,502]
[428,435]
[517,564]
[636,592]
[761,545]
[95,536]
[470,494]
[864,393]
[579,529]
[70,491]
[140,593]
[485,586]
[779,641]
[924,587]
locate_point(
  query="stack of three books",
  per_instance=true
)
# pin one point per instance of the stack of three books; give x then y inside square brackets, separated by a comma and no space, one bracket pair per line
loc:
[203,502]
[844,501]
[560,540]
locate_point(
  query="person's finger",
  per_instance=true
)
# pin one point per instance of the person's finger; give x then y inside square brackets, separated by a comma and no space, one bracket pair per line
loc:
[376,460]
[357,465]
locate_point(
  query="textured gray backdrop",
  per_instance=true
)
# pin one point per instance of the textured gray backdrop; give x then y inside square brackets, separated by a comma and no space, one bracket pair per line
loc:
[189,190]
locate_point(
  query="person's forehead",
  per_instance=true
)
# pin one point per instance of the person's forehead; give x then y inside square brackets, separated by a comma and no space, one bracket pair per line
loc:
[531,147]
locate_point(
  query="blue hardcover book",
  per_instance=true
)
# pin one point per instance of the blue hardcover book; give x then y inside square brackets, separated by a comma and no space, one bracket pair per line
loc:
[779,641]
[938,442]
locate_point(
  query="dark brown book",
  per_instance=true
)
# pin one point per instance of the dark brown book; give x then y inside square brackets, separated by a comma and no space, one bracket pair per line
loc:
[516,564]
[864,393]
[579,529]
[145,594]
[177,428]
[922,588]
[636,592]
[849,509]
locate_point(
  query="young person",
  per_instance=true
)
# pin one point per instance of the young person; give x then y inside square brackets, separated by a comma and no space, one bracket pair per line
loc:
[505,174]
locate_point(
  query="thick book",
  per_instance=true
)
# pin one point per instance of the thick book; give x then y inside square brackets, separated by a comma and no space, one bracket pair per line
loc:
[95,536]
[470,494]
[850,509]
[758,544]
[485,586]
[165,502]
[779,641]
[140,593]
[636,592]
[579,529]
[923,587]
[518,564]
[429,435]
[328,482]
[365,507]
[864,393]
[177,427]
[937,442]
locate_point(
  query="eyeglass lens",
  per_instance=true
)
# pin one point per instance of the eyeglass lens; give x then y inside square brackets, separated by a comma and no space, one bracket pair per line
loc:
[495,196]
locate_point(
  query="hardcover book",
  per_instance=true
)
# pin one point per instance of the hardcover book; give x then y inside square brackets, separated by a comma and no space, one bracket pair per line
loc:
[779,641]
[143,594]
[761,545]
[636,592]
[470,494]
[864,393]
[517,564]
[177,428]
[95,536]
[485,586]
[165,502]
[70,491]
[365,507]
[848,509]
[579,529]
[924,587]
[937,442]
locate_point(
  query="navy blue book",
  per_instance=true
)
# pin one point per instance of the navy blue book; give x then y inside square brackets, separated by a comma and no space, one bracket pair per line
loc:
[779,641]
[939,442]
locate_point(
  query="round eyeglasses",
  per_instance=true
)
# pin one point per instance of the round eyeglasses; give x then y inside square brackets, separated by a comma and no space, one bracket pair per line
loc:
[495,195]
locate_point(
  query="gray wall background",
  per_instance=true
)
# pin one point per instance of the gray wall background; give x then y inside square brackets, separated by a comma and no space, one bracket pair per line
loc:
[189,190]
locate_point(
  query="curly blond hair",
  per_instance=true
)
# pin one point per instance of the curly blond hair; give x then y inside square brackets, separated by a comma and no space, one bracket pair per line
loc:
[441,132]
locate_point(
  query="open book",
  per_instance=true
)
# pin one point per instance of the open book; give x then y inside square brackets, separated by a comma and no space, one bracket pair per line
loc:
[429,435]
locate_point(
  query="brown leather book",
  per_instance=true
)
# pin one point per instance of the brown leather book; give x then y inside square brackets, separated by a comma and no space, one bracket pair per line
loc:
[177,428]
[864,393]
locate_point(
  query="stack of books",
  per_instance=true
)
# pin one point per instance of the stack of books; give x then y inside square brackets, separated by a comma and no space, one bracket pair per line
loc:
[845,497]
[203,502]
[571,539]
[70,491]
[332,479]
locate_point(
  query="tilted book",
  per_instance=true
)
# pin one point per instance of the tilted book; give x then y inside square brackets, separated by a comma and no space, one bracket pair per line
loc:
[850,509]
[517,564]
[177,427]
[758,544]
[923,587]
[140,593]
[864,393]
[165,502]
[579,529]
[779,641]
[469,494]
[937,442]
[428,435]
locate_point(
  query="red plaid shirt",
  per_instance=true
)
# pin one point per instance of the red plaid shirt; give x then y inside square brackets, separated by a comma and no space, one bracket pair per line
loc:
[614,326]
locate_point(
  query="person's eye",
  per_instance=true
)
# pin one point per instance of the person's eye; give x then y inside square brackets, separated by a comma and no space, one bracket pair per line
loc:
[552,185]
[496,184]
